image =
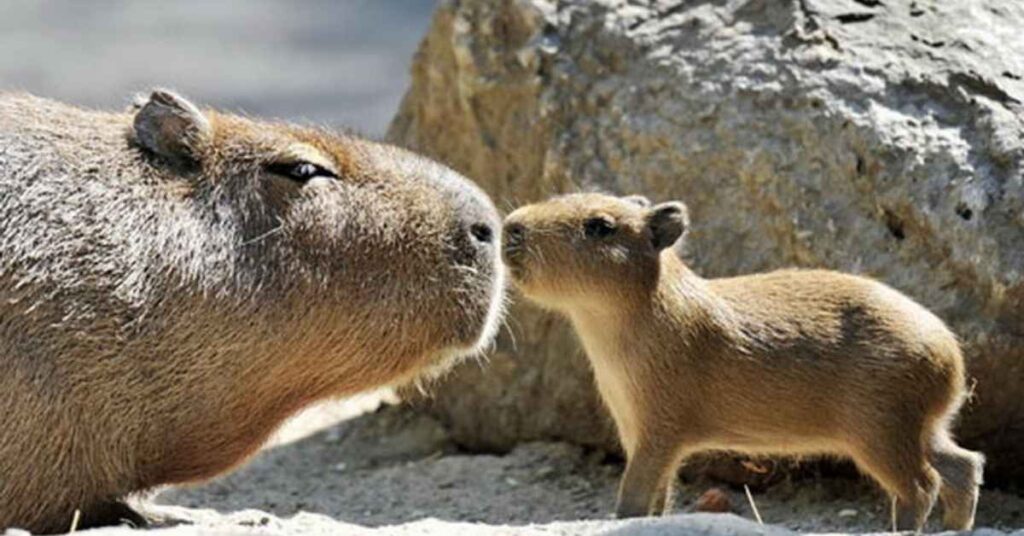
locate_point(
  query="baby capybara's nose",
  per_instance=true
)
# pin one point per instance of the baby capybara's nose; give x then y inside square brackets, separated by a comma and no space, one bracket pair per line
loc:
[514,234]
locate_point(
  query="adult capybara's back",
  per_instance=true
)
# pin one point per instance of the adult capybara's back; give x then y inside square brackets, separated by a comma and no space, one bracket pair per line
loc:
[176,282]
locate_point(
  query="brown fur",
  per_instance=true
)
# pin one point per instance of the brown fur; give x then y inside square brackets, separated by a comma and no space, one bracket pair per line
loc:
[167,299]
[792,362]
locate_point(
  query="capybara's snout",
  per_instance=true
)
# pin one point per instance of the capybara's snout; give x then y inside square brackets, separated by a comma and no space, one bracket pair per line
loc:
[473,243]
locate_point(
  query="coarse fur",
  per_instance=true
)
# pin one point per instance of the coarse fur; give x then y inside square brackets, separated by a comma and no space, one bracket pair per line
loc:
[792,362]
[171,290]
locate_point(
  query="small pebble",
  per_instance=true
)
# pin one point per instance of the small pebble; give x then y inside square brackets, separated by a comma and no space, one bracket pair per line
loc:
[848,512]
[340,467]
[713,500]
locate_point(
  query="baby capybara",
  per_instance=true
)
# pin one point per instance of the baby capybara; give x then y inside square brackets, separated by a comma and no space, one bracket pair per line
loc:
[792,362]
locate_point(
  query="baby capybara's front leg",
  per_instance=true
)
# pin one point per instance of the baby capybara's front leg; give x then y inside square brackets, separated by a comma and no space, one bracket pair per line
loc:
[665,498]
[645,486]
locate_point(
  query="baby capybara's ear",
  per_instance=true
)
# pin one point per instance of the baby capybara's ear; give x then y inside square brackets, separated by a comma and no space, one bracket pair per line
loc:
[638,200]
[667,222]
[172,127]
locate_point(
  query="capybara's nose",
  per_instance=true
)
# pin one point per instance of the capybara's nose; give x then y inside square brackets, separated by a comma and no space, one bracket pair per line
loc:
[474,224]
[514,234]
[482,232]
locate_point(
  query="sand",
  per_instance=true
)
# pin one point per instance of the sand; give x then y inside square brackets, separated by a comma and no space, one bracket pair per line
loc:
[360,467]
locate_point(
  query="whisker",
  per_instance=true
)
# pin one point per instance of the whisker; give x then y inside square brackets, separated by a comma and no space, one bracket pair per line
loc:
[263,236]
[507,326]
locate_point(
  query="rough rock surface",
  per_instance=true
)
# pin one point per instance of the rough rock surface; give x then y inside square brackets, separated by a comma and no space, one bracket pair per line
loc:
[882,138]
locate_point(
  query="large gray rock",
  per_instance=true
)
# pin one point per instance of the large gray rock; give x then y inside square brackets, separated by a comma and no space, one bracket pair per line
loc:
[877,137]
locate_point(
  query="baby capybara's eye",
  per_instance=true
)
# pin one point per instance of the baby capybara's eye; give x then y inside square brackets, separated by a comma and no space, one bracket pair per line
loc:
[598,227]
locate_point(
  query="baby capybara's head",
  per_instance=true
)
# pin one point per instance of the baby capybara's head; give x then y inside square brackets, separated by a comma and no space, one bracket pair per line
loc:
[355,253]
[580,248]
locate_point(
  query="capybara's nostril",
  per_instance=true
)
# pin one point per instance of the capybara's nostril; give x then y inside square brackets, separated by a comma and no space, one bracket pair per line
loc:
[514,233]
[482,232]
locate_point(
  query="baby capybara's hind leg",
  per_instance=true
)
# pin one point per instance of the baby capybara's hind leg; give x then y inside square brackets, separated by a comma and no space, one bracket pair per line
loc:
[899,465]
[961,473]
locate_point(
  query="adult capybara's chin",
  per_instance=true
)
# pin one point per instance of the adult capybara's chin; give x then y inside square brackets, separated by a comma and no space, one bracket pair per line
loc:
[175,282]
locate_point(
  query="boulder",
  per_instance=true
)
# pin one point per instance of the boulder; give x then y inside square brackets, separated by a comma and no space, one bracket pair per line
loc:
[880,137]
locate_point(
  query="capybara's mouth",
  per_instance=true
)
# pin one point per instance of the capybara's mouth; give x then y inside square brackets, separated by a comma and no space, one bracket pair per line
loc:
[514,257]
[485,326]
[511,254]
[513,251]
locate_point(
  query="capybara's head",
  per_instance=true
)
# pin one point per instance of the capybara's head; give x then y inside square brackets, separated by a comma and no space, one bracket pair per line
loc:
[588,248]
[364,258]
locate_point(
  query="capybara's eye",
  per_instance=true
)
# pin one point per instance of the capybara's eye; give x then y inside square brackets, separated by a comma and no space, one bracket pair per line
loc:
[598,227]
[301,171]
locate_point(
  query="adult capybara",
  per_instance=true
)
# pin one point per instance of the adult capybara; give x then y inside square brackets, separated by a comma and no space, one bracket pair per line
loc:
[175,282]
[798,362]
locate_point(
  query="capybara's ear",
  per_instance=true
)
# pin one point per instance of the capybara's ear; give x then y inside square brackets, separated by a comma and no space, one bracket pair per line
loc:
[667,222]
[637,200]
[172,127]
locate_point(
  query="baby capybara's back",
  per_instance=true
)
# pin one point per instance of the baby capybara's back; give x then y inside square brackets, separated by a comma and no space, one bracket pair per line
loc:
[842,342]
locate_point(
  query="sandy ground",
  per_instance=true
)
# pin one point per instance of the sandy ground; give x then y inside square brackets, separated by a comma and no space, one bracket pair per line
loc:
[393,471]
